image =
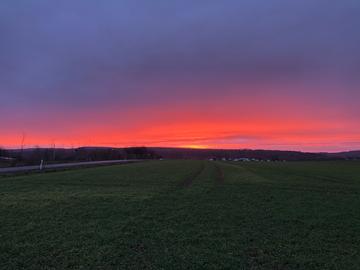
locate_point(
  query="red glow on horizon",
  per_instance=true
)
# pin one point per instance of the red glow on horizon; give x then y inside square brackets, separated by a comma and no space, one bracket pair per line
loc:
[307,136]
[222,123]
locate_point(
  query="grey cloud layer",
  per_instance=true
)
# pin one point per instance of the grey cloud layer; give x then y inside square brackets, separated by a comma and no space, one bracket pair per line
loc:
[90,52]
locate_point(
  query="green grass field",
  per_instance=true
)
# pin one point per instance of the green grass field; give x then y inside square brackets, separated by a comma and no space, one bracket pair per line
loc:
[184,215]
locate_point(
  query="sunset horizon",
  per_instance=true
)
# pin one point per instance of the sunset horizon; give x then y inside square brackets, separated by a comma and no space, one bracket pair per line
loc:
[255,74]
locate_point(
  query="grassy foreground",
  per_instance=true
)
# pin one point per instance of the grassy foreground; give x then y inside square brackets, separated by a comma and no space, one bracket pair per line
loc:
[184,215]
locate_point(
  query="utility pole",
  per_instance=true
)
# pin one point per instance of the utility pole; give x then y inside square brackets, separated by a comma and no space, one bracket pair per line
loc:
[54,150]
[23,136]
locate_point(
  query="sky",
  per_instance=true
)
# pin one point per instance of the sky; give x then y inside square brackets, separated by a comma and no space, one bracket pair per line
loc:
[260,74]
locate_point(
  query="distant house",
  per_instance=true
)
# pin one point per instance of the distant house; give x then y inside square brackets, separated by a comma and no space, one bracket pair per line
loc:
[7,158]
[242,159]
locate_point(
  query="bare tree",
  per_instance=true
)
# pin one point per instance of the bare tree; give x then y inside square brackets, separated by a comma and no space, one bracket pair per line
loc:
[53,150]
[22,144]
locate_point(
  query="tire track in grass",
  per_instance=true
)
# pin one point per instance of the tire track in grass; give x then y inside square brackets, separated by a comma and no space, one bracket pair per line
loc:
[190,179]
[247,174]
[219,174]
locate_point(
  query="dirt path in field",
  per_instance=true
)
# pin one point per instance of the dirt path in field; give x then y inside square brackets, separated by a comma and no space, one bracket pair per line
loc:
[188,181]
[219,178]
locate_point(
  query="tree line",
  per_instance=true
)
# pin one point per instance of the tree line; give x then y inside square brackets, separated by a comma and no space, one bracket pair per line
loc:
[55,155]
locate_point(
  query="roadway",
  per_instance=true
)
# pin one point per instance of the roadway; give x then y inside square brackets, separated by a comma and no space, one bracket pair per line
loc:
[63,165]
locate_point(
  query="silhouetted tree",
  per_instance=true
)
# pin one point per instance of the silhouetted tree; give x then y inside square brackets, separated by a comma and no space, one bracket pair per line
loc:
[36,155]
[140,153]
[22,144]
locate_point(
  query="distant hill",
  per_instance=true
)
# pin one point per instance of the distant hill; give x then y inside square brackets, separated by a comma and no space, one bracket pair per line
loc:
[33,155]
[180,153]
[347,155]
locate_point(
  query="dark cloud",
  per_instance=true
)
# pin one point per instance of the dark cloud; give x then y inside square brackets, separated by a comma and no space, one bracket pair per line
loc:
[89,52]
